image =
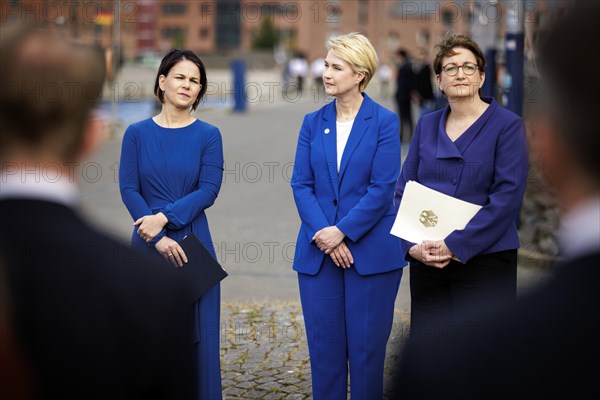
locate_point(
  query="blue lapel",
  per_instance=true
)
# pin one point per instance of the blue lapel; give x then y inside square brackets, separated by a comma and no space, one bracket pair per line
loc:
[330,143]
[360,126]
[445,147]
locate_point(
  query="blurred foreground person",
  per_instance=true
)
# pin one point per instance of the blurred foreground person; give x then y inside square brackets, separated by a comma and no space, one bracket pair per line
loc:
[547,345]
[90,320]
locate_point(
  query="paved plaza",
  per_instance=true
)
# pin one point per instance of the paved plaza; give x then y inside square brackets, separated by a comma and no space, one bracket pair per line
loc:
[254,225]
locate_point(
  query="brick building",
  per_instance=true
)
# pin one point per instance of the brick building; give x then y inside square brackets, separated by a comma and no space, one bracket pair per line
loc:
[226,27]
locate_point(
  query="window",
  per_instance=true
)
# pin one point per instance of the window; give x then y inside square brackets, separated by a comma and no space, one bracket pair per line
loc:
[204,33]
[170,33]
[228,28]
[174,8]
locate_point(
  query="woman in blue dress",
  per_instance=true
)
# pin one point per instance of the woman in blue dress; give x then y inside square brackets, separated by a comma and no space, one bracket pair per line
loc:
[170,173]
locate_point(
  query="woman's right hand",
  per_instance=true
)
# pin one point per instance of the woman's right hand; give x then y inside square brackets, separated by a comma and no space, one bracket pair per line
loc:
[150,225]
[171,251]
[423,252]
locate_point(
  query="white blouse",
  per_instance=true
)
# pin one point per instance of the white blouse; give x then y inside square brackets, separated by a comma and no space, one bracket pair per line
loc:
[343,133]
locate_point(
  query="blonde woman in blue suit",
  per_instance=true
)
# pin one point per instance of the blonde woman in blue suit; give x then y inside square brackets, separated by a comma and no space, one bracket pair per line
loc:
[349,266]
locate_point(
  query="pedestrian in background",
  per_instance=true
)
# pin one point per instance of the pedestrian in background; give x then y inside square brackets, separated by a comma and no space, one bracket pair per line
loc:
[385,76]
[299,70]
[349,265]
[405,84]
[423,87]
[316,71]
[170,173]
[546,345]
[476,151]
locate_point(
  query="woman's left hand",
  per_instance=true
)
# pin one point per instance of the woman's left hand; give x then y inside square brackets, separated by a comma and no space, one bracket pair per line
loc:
[437,248]
[438,251]
[431,253]
[328,238]
[150,225]
[341,256]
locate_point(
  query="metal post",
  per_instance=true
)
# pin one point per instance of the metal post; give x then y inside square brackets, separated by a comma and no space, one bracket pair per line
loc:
[485,30]
[515,43]
[116,55]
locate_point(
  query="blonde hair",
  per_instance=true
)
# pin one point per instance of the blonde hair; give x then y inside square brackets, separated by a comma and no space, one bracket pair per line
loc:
[356,50]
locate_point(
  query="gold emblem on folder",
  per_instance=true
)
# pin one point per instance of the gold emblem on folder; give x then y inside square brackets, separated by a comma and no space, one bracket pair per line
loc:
[428,218]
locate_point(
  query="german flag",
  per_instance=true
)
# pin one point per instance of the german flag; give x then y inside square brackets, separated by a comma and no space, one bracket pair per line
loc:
[105,18]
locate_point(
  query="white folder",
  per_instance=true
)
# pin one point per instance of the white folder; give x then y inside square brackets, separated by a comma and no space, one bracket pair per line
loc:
[426,214]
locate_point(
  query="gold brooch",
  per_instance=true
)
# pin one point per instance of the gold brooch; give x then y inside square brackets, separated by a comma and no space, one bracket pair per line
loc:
[428,219]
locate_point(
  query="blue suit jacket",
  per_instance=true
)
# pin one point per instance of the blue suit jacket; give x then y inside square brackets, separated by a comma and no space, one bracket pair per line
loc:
[358,199]
[486,165]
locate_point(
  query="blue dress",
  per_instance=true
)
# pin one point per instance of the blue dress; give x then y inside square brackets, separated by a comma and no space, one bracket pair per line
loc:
[178,171]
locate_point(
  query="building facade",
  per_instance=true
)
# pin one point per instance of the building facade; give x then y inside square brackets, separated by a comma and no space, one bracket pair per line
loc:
[226,27]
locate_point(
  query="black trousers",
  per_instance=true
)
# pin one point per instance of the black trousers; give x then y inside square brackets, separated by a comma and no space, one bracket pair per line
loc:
[457,292]
[406,122]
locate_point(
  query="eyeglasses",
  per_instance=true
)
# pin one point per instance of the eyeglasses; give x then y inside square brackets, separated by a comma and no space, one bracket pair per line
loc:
[452,69]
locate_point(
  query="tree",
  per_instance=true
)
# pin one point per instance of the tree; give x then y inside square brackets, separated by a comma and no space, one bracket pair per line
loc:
[267,37]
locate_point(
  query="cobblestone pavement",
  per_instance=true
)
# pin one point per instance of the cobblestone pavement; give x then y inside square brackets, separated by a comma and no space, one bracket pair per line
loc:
[264,354]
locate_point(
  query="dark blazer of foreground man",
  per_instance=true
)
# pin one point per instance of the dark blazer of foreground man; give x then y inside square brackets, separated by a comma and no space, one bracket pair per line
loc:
[548,345]
[86,319]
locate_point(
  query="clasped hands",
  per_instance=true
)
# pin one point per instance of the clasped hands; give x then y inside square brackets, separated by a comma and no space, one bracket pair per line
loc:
[151,225]
[434,253]
[330,240]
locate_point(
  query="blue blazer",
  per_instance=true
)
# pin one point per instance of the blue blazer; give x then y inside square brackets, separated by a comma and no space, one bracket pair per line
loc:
[486,165]
[358,199]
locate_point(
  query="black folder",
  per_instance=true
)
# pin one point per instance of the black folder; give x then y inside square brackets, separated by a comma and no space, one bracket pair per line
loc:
[201,271]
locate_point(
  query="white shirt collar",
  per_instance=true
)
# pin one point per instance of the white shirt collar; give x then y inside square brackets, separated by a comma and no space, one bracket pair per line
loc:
[25,184]
[580,230]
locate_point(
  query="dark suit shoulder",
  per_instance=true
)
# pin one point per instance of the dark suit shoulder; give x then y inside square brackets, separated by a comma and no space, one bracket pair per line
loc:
[93,318]
[543,347]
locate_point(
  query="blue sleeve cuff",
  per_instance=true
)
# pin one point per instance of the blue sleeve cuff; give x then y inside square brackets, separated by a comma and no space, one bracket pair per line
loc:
[347,231]
[173,221]
[460,253]
[406,246]
[161,235]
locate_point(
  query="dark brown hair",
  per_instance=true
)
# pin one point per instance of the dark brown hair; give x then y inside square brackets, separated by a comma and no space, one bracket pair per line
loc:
[446,49]
[49,87]
[173,57]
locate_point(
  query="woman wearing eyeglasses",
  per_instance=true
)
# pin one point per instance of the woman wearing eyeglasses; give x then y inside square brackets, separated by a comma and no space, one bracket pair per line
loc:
[476,151]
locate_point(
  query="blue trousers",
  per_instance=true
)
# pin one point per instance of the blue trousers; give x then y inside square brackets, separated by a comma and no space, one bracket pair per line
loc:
[348,319]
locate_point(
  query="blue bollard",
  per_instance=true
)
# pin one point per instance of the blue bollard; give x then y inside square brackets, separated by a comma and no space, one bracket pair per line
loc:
[238,68]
